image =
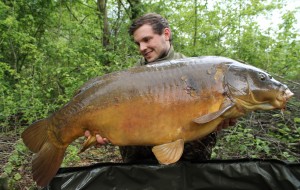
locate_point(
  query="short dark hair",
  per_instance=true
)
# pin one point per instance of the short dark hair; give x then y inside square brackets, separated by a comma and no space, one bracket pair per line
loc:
[156,21]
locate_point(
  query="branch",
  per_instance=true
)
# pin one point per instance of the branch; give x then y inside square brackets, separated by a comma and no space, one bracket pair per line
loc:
[71,12]
[125,7]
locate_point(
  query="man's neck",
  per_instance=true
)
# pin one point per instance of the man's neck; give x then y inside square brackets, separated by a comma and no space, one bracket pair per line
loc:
[165,54]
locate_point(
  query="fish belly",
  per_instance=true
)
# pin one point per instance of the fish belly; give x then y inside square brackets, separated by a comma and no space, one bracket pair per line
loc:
[151,123]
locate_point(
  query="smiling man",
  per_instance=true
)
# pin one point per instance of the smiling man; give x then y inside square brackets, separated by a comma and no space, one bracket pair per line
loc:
[153,37]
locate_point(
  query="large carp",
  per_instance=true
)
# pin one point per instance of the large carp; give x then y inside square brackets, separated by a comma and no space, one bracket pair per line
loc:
[163,104]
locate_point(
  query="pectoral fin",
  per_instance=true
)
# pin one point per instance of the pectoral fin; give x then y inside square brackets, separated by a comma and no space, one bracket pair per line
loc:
[169,153]
[211,116]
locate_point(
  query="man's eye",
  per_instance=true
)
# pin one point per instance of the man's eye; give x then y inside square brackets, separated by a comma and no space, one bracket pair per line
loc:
[146,40]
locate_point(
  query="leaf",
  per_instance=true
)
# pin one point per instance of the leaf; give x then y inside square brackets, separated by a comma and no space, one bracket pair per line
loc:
[297,120]
[8,168]
[17,176]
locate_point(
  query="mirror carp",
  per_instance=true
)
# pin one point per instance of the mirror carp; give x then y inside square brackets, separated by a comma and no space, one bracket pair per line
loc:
[163,105]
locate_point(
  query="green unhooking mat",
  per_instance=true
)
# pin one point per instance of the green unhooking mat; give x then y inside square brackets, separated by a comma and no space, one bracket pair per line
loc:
[209,175]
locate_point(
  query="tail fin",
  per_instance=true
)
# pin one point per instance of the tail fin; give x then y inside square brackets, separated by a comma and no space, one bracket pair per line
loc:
[49,155]
[35,136]
[46,163]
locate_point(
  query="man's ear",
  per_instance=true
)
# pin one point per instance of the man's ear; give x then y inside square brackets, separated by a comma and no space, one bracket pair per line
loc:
[167,33]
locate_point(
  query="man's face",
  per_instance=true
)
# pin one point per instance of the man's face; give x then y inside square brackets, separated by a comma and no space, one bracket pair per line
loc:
[152,46]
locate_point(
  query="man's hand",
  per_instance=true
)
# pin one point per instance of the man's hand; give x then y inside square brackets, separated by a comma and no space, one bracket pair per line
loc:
[100,140]
[226,123]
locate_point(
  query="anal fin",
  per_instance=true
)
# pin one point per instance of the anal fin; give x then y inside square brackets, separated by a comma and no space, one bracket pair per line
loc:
[88,143]
[169,153]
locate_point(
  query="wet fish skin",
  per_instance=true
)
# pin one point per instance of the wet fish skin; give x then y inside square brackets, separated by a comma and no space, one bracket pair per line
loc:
[164,105]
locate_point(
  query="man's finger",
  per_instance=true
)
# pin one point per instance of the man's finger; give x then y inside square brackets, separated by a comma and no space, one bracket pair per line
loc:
[100,140]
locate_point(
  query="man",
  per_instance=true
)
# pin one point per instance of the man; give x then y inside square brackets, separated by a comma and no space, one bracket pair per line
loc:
[153,37]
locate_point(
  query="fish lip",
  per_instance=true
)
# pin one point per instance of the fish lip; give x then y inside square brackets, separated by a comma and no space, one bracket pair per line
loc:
[288,94]
[282,99]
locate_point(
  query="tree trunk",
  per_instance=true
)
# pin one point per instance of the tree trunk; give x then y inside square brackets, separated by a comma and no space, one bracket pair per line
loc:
[103,17]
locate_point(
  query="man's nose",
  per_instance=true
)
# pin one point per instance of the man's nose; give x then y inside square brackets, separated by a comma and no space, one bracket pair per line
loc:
[143,47]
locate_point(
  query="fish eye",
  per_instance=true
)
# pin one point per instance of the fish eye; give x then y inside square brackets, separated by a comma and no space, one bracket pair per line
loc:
[262,76]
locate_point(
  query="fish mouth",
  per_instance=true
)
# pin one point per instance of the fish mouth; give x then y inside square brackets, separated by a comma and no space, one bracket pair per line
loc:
[282,99]
[288,94]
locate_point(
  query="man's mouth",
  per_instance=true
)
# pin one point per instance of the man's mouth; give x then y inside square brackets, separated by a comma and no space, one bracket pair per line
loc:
[147,54]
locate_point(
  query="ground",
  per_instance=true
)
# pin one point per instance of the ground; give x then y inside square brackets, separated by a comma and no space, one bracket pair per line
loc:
[17,162]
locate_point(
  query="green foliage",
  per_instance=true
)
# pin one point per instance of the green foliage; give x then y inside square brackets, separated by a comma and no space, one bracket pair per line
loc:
[71,156]
[15,167]
[250,145]
[265,135]
[48,49]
